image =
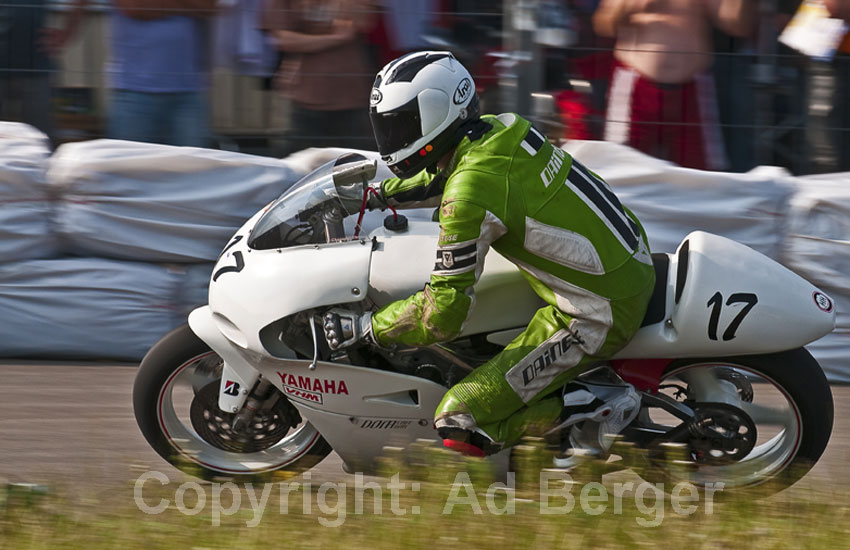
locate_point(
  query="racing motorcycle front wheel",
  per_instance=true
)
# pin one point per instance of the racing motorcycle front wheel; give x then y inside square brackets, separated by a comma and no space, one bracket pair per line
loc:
[175,400]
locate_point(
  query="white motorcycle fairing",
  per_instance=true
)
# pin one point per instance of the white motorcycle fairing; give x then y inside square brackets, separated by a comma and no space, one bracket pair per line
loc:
[723,299]
[272,284]
[381,407]
[387,408]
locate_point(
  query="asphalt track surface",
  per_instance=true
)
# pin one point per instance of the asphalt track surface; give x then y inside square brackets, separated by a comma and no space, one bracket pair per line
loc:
[73,423]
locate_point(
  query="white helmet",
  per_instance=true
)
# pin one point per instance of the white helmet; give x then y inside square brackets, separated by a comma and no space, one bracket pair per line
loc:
[418,104]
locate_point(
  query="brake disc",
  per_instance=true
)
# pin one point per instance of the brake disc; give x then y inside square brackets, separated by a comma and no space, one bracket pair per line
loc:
[266,427]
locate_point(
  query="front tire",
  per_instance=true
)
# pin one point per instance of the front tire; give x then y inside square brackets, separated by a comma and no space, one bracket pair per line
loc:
[168,391]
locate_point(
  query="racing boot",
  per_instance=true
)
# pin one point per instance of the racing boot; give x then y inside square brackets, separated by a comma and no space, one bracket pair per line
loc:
[460,433]
[593,414]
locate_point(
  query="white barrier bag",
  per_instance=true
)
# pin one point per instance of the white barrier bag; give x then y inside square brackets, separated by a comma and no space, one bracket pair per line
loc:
[192,289]
[817,245]
[671,201]
[25,206]
[158,203]
[85,308]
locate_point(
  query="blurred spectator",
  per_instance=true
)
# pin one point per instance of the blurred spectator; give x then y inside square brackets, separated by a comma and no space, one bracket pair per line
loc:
[325,70]
[591,61]
[734,61]
[472,31]
[662,95]
[26,48]
[160,71]
[240,44]
[401,27]
[762,95]
[828,123]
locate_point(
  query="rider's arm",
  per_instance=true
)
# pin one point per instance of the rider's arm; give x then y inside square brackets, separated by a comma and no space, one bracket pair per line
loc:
[437,313]
[424,190]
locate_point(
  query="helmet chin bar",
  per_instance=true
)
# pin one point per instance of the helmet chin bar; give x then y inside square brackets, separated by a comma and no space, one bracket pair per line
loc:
[432,152]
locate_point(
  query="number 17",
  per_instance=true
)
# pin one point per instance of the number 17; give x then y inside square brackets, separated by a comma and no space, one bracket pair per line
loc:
[716,304]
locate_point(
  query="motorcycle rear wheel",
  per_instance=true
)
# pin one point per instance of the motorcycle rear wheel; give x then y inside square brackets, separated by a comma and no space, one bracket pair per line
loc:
[792,435]
[168,386]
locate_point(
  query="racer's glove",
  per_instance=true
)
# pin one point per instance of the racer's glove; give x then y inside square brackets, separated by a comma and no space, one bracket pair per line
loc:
[345,328]
[376,199]
[352,198]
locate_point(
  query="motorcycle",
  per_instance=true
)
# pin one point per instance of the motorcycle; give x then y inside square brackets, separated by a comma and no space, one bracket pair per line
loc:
[249,386]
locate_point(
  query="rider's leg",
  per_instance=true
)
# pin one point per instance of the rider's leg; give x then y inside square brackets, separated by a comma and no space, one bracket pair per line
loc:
[549,351]
[496,404]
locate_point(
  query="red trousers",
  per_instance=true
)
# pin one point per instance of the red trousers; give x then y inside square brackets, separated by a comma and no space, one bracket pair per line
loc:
[675,122]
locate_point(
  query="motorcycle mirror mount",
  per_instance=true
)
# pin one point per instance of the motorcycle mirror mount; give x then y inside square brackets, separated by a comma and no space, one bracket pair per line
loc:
[353,172]
[351,175]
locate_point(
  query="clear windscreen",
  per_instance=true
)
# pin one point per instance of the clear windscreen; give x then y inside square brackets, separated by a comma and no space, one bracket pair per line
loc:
[314,209]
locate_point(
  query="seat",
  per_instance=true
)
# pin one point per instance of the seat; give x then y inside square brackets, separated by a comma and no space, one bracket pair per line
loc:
[658,302]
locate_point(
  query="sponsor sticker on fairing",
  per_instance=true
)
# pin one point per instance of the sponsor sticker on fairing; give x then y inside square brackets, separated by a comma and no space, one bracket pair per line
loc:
[311,389]
[385,424]
[823,302]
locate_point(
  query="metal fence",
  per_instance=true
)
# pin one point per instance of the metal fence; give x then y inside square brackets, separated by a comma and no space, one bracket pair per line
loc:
[523,53]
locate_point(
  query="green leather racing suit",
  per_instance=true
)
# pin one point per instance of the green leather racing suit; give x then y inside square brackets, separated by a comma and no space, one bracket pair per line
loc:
[583,253]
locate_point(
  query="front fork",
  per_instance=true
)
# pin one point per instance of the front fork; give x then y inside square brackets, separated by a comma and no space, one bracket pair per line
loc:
[243,398]
[255,401]
[235,387]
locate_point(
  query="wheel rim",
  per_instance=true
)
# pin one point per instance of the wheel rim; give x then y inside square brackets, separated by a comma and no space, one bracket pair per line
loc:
[173,415]
[772,409]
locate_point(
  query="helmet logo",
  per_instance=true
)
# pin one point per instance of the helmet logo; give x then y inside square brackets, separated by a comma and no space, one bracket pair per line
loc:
[375,97]
[463,91]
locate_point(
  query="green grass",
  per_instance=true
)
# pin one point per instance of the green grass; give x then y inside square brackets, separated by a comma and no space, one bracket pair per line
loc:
[108,516]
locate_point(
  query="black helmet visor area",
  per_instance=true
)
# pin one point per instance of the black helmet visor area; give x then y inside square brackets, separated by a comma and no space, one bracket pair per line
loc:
[396,129]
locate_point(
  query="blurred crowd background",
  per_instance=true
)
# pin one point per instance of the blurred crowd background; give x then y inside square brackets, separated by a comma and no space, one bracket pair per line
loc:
[704,83]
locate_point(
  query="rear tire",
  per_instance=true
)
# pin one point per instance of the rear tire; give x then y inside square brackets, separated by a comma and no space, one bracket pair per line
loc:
[174,355]
[794,449]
